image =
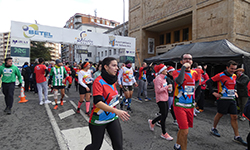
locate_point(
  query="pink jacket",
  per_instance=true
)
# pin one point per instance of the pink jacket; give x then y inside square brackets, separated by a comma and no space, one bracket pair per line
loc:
[161,92]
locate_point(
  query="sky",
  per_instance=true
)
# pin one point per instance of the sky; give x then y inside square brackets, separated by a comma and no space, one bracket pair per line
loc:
[56,12]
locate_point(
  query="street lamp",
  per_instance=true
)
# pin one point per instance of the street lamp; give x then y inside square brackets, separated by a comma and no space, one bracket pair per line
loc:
[123,18]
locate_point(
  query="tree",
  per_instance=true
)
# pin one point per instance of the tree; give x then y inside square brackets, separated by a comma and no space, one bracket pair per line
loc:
[38,50]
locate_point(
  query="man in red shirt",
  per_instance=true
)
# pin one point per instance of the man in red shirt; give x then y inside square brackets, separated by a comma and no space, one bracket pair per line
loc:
[41,74]
[225,95]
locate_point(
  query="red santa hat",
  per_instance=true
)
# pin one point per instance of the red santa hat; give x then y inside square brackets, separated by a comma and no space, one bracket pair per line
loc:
[159,68]
[170,68]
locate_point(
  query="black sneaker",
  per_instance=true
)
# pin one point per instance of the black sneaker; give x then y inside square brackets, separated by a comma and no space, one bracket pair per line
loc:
[129,109]
[121,106]
[215,132]
[240,141]
[8,111]
[5,110]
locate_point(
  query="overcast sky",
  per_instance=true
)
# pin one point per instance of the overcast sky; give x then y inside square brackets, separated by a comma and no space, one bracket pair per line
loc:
[57,12]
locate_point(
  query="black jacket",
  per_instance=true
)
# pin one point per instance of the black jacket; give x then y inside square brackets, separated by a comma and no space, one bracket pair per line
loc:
[242,82]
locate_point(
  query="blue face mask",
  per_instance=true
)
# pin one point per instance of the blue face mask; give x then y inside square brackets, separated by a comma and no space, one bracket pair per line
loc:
[165,77]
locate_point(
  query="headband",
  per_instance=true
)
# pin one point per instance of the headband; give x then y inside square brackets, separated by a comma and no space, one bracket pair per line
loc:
[87,63]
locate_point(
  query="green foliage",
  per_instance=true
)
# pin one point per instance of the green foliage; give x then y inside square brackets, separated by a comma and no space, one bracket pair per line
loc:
[38,49]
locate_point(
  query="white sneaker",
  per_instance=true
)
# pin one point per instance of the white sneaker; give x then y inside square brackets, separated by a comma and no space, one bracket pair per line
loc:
[47,102]
[41,103]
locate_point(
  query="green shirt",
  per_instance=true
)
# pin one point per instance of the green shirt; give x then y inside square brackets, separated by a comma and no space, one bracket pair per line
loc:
[58,74]
[9,74]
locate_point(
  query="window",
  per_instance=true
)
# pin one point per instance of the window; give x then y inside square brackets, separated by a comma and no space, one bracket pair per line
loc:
[162,39]
[98,54]
[102,54]
[114,52]
[185,34]
[168,38]
[177,36]
[92,20]
[98,21]
[103,21]
[89,54]
[89,30]
[106,53]
[110,52]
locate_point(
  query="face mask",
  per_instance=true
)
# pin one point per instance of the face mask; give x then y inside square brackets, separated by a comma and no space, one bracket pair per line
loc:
[128,65]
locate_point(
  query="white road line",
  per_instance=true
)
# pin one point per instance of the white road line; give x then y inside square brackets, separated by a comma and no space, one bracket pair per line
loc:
[58,102]
[61,141]
[107,139]
[66,114]
[66,95]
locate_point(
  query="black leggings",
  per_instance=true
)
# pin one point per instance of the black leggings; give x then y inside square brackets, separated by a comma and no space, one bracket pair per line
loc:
[248,141]
[163,105]
[97,134]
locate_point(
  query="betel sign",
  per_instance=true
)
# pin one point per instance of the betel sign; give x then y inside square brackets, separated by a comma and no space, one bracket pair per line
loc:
[20,52]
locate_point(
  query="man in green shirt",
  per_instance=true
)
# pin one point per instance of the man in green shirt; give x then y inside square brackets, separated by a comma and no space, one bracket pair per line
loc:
[57,76]
[8,72]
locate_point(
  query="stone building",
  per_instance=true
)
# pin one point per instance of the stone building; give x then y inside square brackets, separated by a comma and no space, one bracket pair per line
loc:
[159,25]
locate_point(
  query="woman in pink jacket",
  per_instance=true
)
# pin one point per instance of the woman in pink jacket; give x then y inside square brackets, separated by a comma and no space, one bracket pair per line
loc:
[161,95]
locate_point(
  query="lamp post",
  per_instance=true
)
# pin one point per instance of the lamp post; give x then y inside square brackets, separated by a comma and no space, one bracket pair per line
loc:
[123,18]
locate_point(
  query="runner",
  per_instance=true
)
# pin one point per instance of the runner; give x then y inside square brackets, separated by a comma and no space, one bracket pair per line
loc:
[143,81]
[85,80]
[161,95]
[104,114]
[204,78]
[42,85]
[226,103]
[128,79]
[68,78]
[76,69]
[186,80]
[57,78]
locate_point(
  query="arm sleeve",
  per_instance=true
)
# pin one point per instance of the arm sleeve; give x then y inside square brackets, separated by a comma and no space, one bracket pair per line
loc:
[179,80]
[80,77]
[120,76]
[210,85]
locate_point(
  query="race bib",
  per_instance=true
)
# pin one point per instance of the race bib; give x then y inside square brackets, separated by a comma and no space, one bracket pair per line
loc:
[231,93]
[189,90]
[59,76]
[7,70]
[165,84]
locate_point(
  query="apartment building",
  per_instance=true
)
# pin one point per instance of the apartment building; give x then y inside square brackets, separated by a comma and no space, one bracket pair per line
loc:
[3,45]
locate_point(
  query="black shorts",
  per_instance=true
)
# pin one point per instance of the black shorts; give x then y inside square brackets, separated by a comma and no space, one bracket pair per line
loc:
[82,90]
[127,88]
[226,107]
[58,87]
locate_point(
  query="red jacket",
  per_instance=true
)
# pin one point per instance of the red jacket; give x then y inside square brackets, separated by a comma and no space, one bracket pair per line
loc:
[204,78]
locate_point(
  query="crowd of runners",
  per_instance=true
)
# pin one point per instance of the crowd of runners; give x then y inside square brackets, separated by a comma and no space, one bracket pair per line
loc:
[181,91]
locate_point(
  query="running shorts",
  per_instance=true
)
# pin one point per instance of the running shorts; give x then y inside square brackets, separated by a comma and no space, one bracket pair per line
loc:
[58,87]
[226,106]
[184,117]
[127,88]
[82,90]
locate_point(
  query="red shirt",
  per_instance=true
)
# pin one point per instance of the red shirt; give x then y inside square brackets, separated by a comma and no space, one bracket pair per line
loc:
[67,69]
[40,72]
[142,74]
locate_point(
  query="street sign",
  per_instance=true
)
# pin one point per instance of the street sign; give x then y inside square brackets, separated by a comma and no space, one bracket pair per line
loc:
[82,51]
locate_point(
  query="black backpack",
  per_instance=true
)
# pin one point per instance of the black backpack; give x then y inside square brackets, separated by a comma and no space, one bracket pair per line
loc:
[23,72]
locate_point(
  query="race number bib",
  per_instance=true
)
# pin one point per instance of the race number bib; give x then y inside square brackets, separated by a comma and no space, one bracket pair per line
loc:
[59,76]
[7,70]
[231,93]
[189,90]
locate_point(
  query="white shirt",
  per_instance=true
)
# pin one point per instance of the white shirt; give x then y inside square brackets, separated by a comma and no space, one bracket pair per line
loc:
[127,76]
[84,78]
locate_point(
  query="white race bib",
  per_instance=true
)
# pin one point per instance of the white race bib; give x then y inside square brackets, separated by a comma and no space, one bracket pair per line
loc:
[59,76]
[231,93]
[7,70]
[189,90]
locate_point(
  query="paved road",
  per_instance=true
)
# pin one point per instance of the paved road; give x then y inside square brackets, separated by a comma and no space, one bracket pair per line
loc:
[40,127]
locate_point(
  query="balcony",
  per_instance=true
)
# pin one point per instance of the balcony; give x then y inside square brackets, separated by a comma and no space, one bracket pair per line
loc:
[165,48]
[78,20]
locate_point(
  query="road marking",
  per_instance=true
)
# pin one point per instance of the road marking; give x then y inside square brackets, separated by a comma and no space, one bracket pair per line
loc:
[50,95]
[106,137]
[66,95]
[58,102]
[61,141]
[79,138]
[66,114]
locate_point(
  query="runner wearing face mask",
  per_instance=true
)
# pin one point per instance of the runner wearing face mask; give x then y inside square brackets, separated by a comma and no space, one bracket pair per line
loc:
[128,79]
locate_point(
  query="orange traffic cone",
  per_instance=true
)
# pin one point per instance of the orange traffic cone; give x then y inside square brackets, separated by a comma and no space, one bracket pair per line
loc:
[22,96]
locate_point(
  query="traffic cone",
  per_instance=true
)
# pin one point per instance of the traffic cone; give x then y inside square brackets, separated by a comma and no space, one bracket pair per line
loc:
[22,96]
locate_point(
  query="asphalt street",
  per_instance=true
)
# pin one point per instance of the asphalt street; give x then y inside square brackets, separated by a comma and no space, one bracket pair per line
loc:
[31,126]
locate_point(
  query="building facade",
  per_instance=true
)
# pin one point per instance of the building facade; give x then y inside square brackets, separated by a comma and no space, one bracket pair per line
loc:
[55,51]
[160,25]
[87,23]
[3,45]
